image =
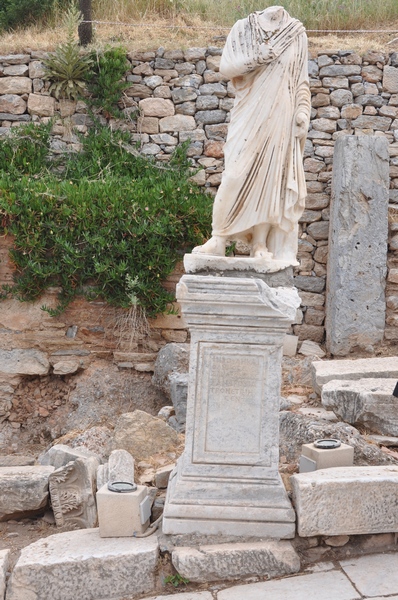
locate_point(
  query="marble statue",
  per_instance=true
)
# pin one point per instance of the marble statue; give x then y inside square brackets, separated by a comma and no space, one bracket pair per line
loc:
[262,193]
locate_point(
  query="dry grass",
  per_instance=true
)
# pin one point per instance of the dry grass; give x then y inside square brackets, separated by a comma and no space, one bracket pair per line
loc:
[182,32]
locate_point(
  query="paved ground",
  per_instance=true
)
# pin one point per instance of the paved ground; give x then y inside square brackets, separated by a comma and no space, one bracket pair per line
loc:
[374,576]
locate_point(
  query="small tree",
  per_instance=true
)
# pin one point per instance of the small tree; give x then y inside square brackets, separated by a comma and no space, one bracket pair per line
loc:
[86,27]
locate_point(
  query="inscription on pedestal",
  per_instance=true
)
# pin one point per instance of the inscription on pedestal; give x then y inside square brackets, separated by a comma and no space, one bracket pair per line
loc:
[232,383]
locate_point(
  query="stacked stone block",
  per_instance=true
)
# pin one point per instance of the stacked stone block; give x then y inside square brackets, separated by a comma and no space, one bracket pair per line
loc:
[180,95]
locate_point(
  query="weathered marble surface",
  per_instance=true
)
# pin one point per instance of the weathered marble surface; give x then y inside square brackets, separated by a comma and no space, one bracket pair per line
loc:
[357,262]
[72,490]
[367,402]
[361,368]
[346,500]
[228,562]
[227,480]
[263,189]
[23,491]
[4,560]
[82,565]
[60,455]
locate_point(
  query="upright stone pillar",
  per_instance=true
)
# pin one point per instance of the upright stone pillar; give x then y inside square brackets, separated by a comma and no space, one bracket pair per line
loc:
[357,261]
[227,481]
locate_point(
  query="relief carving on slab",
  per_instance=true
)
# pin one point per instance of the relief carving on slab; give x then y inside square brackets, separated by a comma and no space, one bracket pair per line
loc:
[72,491]
[263,189]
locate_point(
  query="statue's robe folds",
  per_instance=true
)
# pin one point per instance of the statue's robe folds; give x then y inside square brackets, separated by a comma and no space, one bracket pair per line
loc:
[263,179]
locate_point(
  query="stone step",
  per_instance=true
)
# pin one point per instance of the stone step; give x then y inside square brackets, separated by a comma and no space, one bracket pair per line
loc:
[361,368]
[227,562]
[81,564]
[346,501]
[366,402]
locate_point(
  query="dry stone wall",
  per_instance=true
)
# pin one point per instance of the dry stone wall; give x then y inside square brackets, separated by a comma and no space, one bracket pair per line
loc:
[180,95]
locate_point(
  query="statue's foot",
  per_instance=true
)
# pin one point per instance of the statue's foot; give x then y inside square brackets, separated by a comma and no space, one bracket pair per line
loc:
[260,251]
[215,246]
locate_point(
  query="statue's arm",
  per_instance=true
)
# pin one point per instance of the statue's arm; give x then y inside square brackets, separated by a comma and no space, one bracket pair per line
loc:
[242,53]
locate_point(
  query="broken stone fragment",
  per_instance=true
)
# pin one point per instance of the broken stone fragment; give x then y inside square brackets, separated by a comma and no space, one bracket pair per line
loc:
[60,455]
[143,435]
[4,559]
[23,491]
[72,490]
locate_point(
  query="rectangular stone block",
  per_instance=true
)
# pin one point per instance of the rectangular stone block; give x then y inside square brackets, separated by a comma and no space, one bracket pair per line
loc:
[119,514]
[357,263]
[361,368]
[343,456]
[81,564]
[346,500]
[368,402]
[23,491]
[226,562]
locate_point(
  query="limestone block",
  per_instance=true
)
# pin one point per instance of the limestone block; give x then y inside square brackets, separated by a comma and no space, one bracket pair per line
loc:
[119,514]
[4,560]
[346,500]
[309,348]
[194,54]
[172,358]
[184,95]
[339,70]
[15,59]
[23,362]
[138,90]
[290,345]
[15,85]
[81,564]
[228,562]
[60,455]
[177,123]
[162,476]
[367,402]
[23,491]
[43,106]
[343,456]
[370,122]
[361,368]
[390,79]
[358,243]
[178,394]
[72,489]
[66,367]
[156,107]
[121,466]
[143,435]
[36,69]
[13,104]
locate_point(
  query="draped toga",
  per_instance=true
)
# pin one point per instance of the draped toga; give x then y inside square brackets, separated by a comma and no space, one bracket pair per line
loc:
[263,179]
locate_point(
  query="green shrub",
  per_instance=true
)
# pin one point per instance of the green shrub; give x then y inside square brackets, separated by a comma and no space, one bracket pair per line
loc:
[67,68]
[14,13]
[113,226]
[106,82]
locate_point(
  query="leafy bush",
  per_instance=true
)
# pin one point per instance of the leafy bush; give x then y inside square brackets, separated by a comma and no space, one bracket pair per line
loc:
[106,82]
[67,68]
[114,225]
[14,13]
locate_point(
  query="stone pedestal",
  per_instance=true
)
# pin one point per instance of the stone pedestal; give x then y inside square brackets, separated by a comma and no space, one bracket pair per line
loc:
[227,482]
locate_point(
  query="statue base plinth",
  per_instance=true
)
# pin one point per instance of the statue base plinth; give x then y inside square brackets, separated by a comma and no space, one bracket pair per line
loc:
[227,482]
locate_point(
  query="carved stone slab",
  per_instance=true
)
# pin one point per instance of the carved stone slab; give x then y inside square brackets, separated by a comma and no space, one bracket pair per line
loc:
[23,491]
[72,490]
